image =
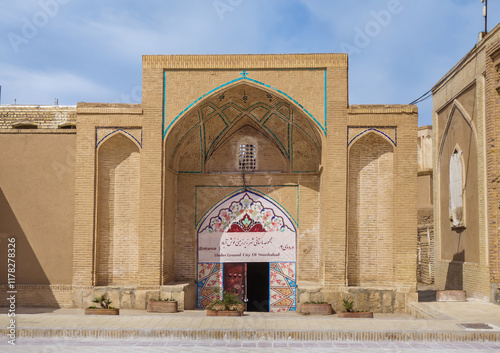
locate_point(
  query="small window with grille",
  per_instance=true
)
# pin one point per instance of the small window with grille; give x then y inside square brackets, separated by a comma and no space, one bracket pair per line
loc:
[247,157]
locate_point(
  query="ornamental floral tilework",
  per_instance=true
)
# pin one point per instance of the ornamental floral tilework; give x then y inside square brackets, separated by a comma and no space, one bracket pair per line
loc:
[282,286]
[209,279]
[245,215]
[248,228]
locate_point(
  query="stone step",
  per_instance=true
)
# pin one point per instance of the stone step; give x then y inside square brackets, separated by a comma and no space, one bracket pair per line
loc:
[258,334]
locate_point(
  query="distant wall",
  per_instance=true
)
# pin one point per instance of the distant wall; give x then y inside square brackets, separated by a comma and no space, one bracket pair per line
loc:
[41,116]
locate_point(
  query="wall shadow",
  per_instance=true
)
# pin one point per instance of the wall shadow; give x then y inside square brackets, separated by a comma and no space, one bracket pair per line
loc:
[455,275]
[28,270]
[427,295]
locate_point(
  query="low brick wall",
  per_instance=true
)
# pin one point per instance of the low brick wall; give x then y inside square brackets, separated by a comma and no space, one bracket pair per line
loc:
[136,297]
[60,296]
[378,300]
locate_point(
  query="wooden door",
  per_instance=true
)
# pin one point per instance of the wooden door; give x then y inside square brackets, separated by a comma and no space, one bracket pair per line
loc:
[235,279]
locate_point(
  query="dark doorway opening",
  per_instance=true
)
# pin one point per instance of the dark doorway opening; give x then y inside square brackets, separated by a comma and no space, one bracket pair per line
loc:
[258,286]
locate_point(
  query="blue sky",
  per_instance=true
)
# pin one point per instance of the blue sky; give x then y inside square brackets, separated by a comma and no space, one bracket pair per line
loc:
[91,51]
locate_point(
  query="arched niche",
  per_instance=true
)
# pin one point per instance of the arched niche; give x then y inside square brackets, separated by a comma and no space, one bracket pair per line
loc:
[370,239]
[117,211]
[458,234]
[286,132]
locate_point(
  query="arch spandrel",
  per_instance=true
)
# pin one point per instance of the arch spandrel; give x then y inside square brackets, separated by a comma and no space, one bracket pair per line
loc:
[387,134]
[105,134]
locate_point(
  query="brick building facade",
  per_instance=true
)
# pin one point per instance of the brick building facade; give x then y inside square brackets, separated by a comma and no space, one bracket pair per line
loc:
[234,166]
[466,168]
[425,178]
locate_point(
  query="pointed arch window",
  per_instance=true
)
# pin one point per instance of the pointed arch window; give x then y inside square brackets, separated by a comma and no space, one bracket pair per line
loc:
[456,189]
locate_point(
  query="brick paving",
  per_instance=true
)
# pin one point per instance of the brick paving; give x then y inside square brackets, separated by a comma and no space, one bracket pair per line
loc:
[59,345]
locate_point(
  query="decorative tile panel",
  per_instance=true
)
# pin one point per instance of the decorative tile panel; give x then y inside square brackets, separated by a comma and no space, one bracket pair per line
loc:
[282,286]
[209,283]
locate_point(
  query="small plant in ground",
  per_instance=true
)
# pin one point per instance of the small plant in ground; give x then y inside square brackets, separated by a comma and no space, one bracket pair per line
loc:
[103,302]
[348,304]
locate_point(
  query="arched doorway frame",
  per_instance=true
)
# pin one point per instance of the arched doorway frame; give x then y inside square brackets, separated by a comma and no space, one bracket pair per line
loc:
[251,205]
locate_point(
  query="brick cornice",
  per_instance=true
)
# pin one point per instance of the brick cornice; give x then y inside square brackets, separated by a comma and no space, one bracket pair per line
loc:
[383,109]
[135,111]
[228,62]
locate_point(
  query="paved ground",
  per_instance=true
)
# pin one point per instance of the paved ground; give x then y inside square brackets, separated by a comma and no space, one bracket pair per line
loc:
[191,331]
[440,316]
[123,346]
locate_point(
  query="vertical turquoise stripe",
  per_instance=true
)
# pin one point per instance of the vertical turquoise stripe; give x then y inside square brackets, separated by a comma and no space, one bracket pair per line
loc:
[298,207]
[326,102]
[164,91]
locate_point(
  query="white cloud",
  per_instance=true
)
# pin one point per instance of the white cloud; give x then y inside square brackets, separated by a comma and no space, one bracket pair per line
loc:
[41,87]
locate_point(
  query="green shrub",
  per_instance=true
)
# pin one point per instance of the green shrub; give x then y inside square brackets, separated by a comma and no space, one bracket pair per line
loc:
[103,302]
[348,304]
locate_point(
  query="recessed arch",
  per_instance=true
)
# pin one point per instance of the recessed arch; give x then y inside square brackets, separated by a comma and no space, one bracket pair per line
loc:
[227,85]
[458,221]
[117,212]
[203,129]
[370,236]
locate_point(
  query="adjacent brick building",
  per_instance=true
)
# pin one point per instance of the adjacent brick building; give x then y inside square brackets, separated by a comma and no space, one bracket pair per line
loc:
[466,126]
[425,178]
[224,154]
